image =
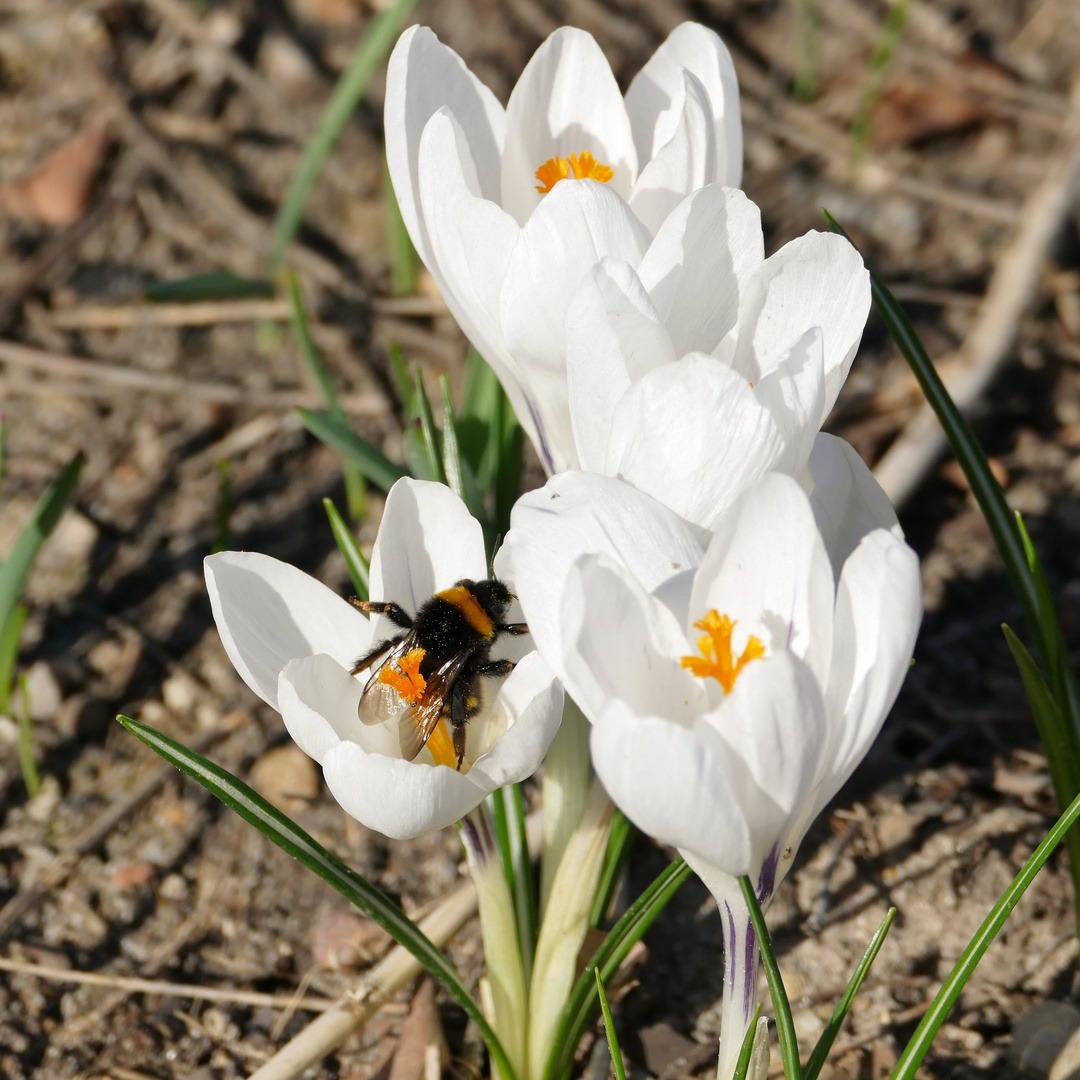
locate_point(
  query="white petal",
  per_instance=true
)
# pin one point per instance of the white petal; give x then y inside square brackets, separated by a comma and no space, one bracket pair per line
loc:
[848,502]
[654,98]
[686,162]
[427,541]
[613,336]
[768,570]
[268,612]
[576,513]
[422,77]
[318,700]
[794,393]
[400,799]
[670,786]
[565,102]
[693,435]
[816,280]
[699,264]
[533,700]
[621,642]
[878,609]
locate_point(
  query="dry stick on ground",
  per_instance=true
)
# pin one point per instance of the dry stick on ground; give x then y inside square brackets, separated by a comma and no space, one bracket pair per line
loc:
[117,375]
[63,863]
[167,989]
[987,344]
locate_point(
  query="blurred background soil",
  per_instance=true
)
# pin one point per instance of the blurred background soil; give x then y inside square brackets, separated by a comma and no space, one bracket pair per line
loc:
[148,140]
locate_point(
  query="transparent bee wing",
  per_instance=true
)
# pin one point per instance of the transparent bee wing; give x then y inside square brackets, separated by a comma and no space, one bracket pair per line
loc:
[414,730]
[379,701]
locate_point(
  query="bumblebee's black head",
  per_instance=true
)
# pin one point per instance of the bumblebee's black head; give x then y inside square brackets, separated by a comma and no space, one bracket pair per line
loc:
[494,597]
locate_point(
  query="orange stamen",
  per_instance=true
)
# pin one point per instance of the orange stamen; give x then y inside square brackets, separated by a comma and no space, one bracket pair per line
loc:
[584,167]
[717,660]
[408,682]
[442,746]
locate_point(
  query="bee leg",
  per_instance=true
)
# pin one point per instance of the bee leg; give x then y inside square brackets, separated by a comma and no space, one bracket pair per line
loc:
[394,612]
[458,717]
[497,669]
[369,658]
[515,628]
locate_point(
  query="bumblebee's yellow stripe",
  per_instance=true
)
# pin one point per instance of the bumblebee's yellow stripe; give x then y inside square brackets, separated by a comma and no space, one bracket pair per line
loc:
[470,607]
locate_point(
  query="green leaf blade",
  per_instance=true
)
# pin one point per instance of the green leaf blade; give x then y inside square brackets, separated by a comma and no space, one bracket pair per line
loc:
[355,562]
[373,463]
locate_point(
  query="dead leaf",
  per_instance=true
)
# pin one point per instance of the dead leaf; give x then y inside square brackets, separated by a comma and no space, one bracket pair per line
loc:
[423,1029]
[58,192]
[908,111]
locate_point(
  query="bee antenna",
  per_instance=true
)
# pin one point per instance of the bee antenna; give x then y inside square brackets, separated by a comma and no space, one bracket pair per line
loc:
[494,552]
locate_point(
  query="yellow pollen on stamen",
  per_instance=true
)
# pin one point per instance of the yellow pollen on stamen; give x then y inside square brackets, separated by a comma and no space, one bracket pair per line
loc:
[583,166]
[441,746]
[717,660]
[408,682]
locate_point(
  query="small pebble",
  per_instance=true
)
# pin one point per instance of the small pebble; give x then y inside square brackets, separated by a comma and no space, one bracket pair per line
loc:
[287,777]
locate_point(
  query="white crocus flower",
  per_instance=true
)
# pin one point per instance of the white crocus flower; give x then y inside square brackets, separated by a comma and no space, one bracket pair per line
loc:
[510,208]
[294,642]
[732,690]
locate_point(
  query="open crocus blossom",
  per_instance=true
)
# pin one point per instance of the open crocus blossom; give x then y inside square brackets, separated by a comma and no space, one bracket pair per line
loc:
[294,642]
[510,208]
[732,690]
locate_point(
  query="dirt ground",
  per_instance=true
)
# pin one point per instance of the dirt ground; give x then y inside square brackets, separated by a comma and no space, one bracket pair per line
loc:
[187,122]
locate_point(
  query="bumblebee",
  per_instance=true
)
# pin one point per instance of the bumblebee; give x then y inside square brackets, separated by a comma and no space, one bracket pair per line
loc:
[433,669]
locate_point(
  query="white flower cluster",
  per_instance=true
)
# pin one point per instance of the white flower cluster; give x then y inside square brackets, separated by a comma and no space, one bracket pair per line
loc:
[723,590]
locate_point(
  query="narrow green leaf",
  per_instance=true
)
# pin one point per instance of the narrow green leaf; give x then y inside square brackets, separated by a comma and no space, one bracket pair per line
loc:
[581,1008]
[10,635]
[804,86]
[404,263]
[480,420]
[27,764]
[215,285]
[785,1027]
[742,1062]
[524,881]
[609,1027]
[223,507]
[451,454]
[832,1028]
[402,378]
[619,843]
[497,813]
[284,832]
[912,1055]
[370,53]
[373,463]
[355,562]
[428,432]
[511,463]
[880,59]
[16,567]
[1057,655]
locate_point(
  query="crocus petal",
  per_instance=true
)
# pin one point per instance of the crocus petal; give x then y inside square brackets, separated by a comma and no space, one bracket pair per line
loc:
[848,502]
[579,512]
[427,541]
[613,336]
[566,102]
[794,393]
[533,701]
[318,700]
[693,435]
[878,609]
[268,612]
[816,280]
[669,785]
[422,77]
[654,100]
[622,642]
[699,264]
[686,162]
[767,569]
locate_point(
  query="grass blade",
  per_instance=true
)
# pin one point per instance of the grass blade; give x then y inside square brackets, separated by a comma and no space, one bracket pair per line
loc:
[912,1055]
[223,507]
[404,263]
[451,454]
[619,844]
[401,377]
[742,1062]
[372,50]
[429,434]
[10,635]
[373,463]
[804,86]
[880,59]
[355,488]
[609,1027]
[785,1027]
[583,1002]
[524,880]
[355,562]
[832,1028]
[46,514]
[284,832]
[215,285]
[27,764]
